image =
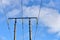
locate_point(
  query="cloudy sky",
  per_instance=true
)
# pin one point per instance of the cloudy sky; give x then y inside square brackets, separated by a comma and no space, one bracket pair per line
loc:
[47,12]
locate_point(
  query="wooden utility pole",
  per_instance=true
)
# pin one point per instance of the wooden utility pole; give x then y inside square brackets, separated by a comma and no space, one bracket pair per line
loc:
[15,29]
[30,30]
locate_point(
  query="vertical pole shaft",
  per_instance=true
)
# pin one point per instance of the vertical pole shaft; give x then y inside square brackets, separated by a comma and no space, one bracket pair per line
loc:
[30,30]
[15,30]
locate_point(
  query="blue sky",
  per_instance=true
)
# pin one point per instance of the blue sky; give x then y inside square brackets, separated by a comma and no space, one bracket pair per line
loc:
[48,27]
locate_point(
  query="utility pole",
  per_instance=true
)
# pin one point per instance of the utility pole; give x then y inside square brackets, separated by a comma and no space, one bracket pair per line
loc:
[15,29]
[30,30]
[30,27]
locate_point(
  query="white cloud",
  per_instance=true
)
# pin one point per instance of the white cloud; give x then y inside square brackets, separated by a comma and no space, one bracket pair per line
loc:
[9,2]
[13,13]
[50,4]
[48,16]
[53,4]
[26,1]
[5,2]
[27,11]
[31,11]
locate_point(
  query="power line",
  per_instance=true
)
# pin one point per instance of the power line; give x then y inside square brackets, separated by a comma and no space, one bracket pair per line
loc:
[22,7]
[9,28]
[36,29]
[40,9]
[22,19]
[38,20]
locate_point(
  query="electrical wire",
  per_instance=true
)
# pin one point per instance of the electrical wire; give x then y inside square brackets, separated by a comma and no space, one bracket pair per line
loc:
[9,28]
[8,24]
[7,21]
[22,8]
[38,20]
[36,29]
[22,19]
[39,9]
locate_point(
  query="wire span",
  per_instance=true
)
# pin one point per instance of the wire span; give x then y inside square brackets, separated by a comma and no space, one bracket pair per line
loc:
[9,28]
[36,29]
[22,7]
[8,24]
[38,20]
[22,19]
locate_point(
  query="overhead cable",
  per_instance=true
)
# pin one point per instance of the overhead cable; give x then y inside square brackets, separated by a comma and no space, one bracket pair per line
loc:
[22,19]
[38,19]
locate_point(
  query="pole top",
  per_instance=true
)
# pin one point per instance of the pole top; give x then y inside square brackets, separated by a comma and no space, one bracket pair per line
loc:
[24,18]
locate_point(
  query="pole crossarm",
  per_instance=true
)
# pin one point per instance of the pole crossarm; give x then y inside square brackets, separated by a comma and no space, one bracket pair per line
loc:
[30,27]
[24,18]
